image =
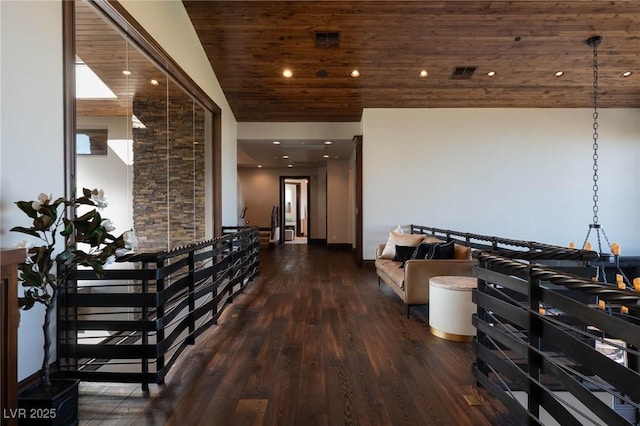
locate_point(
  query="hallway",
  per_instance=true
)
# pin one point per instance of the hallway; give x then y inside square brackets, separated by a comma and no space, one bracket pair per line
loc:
[313,341]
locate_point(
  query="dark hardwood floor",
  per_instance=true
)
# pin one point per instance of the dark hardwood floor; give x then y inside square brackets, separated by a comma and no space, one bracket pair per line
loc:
[313,341]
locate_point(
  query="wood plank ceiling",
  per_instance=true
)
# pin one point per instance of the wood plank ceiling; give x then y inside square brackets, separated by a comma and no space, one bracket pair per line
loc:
[250,43]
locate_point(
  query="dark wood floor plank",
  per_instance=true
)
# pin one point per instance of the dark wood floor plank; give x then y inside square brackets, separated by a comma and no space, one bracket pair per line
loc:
[314,340]
[249,412]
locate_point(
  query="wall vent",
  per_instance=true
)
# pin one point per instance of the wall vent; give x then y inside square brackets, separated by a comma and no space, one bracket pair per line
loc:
[327,39]
[462,73]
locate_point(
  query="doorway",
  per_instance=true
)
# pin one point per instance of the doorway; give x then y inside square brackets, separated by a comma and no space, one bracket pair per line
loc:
[295,209]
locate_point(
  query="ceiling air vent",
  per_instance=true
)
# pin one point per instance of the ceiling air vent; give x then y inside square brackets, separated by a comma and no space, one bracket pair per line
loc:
[327,39]
[462,73]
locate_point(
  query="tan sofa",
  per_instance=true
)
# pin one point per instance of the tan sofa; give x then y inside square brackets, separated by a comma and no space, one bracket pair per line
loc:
[411,283]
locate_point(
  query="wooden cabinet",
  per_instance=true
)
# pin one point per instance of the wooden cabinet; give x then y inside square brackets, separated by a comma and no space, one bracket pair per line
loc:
[9,317]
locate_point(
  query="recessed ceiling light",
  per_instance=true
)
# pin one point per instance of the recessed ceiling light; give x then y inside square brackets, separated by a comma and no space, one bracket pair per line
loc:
[126,72]
[558,73]
[259,166]
[355,73]
[287,73]
[626,74]
[154,82]
[325,156]
[276,142]
[285,156]
[424,73]
[491,74]
[289,165]
[328,142]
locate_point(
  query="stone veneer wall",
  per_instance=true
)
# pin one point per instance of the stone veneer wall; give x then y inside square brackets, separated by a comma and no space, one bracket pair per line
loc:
[168,175]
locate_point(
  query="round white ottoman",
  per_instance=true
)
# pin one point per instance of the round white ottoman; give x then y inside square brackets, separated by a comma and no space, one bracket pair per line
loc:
[451,308]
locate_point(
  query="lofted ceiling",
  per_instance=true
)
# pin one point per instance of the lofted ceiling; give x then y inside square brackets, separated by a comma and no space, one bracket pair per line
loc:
[250,43]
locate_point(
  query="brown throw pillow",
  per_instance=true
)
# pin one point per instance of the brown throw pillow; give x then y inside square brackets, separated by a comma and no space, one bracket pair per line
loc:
[396,239]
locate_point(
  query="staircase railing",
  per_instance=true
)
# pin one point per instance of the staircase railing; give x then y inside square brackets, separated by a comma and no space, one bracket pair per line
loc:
[132,325]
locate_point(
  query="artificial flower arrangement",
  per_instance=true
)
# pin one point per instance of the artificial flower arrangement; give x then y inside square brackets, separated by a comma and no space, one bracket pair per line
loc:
[87,242]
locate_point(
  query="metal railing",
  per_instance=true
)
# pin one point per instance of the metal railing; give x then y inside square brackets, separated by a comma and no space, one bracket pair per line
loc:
[133,324]
[555,346]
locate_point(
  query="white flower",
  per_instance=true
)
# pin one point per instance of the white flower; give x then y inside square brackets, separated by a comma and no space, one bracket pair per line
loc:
[43,200]
[109,260]
[24,244]
[107,225]
[100,199]
[130,240]
[121,252]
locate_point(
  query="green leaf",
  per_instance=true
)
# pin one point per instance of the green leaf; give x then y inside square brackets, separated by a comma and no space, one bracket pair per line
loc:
[51,210]
[66,256]
[42,223]
[30,278]
[97,266]
[28,303]
[68,228]
[24,230]
[87,216]
[85,201]
[26,206]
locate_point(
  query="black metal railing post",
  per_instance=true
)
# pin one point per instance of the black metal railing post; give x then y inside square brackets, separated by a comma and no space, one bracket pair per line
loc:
[191,296]
[216,258]
[481,315]
[160,286]
[144,361]
[232,269]
[534,361]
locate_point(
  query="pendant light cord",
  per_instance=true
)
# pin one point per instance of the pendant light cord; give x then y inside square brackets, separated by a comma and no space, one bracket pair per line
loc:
[594,42]
[595,132]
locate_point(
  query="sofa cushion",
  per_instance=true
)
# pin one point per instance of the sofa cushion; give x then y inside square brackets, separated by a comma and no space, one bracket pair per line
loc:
[462,252]
[442,251]
[394,239]
[423,250]
[432,239]
[380,262]
[403,253]
[393,271]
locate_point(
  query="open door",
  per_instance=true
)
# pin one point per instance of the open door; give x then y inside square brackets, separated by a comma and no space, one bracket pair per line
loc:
[295,209]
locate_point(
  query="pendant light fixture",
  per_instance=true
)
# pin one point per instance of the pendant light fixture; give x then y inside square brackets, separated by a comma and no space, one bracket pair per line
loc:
[614,249]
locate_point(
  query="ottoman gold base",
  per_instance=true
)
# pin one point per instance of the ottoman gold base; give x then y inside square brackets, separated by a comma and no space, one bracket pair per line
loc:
[450,336]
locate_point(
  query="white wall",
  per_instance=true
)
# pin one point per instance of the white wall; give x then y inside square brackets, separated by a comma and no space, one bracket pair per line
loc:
[169,24]
[516,173]
[112,175]
[261,191]
[31,133]
[109,172]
